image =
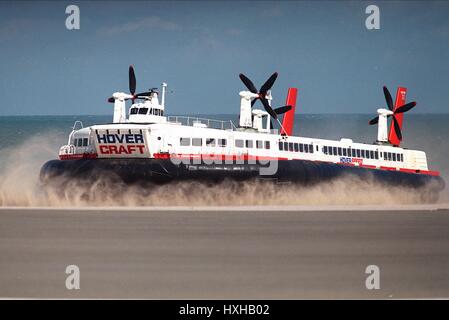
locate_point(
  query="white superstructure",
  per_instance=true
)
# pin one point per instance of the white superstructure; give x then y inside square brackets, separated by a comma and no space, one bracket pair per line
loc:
[145,131]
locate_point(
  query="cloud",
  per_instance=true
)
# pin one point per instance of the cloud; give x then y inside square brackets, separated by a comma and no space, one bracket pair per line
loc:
[153,22]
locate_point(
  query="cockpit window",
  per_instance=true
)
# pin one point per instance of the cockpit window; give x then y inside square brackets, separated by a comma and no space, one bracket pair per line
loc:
[133,111]
[143,110]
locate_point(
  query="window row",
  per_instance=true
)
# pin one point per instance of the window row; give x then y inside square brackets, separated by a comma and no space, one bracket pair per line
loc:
[198,142]
[390,156]
[156,112]
[295,147]
[361,153]
[81,142]
[213,142]
[239,143]
[349,152]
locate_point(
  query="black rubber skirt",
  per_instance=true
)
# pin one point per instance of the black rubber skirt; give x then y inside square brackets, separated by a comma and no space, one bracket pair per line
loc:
[165,171]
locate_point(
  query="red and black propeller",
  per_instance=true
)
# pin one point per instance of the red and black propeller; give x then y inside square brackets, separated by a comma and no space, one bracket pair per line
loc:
[404,108]
[132,87]
[262,94]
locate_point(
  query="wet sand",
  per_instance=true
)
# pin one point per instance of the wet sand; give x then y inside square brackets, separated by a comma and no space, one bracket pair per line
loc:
[232,252]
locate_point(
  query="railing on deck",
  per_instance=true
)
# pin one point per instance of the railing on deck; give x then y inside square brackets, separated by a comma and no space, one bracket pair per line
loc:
[210,123]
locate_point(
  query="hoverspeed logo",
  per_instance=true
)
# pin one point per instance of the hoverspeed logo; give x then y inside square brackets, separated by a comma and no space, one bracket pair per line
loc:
[358,161]
[121,143]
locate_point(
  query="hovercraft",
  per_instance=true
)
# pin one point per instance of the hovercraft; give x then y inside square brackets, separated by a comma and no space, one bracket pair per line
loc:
[142,144]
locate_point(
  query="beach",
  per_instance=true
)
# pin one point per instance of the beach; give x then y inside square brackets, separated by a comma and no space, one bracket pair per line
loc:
[225,252]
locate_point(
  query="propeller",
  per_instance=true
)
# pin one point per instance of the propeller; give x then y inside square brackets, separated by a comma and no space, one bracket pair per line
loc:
[262,93]
[404,108]
[132,87]
[282,110]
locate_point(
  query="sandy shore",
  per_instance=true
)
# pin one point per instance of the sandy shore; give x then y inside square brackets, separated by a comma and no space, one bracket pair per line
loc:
[232,252]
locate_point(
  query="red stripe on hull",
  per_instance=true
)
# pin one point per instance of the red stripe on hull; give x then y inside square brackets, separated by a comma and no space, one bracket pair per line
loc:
[78,156]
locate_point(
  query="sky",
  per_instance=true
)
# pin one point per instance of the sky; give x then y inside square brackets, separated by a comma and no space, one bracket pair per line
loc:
[199,49]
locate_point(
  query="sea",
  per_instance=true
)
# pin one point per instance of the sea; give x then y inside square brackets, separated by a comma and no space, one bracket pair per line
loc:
[26,142]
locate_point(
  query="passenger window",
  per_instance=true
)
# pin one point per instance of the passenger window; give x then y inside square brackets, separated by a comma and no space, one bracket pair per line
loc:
[249,143]
[394,156]
[259,144]
[75,142]
[290,146]
[239,143]
[185,142]
[196,142]
[371,154]
[80,142]
[339,151]
[133,111]
[363,153]
[301,147]
[325,149]
[359,155]
[344,152]
[85,142]
[285,146]
[310,148]
[281,145]
[335,151]
[210,142]
[267,144]
[143,110]
[296,147]
[354,153]
[222,142]
[376,154]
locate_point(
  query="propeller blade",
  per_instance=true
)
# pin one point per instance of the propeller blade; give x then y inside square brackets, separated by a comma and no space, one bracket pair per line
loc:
[132,80]
[248,83]
[405,107]
[269,83]
[397,128]
[374,121]
[282,110]
[253,102]
[267,107]
[388,98]
[143,94]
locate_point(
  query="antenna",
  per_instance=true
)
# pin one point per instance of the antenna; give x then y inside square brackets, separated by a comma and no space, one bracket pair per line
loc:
[164,86]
